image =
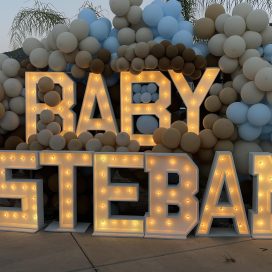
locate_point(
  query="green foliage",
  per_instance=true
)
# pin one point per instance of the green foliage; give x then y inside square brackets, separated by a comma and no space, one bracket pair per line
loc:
[38,20]
[34,21]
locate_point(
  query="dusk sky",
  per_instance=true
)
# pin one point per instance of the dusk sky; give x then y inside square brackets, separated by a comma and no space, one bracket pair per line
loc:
[68,7]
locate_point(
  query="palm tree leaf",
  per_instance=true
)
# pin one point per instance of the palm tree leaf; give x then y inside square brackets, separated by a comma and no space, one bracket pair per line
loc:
[34,21]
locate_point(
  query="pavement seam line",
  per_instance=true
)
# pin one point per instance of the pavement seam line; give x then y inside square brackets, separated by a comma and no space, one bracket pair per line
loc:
[171,253]
[85,254]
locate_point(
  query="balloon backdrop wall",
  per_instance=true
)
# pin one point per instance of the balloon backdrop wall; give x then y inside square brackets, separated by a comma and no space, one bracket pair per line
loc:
[236,114]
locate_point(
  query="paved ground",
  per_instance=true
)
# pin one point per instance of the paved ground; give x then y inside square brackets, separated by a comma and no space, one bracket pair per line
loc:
[81,252]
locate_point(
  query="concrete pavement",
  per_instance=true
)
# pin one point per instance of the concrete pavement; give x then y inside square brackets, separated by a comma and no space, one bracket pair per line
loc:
[66,252]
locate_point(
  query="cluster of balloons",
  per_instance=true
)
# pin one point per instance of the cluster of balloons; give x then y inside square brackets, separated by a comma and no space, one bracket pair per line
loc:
[220,97]
[218,134]
[162,56]
[12,101]
[242,43]
[254,122]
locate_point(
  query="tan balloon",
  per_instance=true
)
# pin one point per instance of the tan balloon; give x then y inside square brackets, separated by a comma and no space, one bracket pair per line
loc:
[44,137]
[144,34]
[234,46]
[257,20]
[249,53]
[94,145]
[52,98]
[220,21]
[252,66]
[47,116]
[80,29]
[207,139]
[126,36]
[223,128]
[45,84]
[214,10]
[10,121]
[134,146]
[13,87]
[171,138]
[250,94]
[216,44]
[83,59]
[57,61]
[224,145]
[84,137]
[57,142]
[39,58]
[190,142]
[242,9]
[228,95]
[54,127]
[235,25]
[120,7]
[161,149]
[109,138]
[263,79]
[120,22]
[157,135]
[204,28]
[213,103]
[90,44]
[209,120]
[122,139]
[180,126]
[252,39]
[228,65]
[75,145]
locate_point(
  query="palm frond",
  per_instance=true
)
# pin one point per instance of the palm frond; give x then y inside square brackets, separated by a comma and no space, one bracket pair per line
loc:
[34,21]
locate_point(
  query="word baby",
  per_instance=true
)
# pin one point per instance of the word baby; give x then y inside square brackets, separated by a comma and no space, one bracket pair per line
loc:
[96,90]
[156,222]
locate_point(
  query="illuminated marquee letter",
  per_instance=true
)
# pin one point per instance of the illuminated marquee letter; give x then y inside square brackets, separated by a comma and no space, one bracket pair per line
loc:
[223,171]
[105,192]
[159,108]
[66,162]
[29,217]
[260,217]
[194,99]
[96,90]
[33,108]
[159,223]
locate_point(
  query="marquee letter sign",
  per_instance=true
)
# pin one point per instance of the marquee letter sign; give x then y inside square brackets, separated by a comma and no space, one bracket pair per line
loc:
[261,215]
[66,162]
[223,171]
[159,223]
[29,217]
[63,109]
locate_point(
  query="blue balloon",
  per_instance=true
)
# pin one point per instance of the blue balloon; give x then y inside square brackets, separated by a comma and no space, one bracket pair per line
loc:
[172,8]
[237,112]
[107,21]
[136,88]
[249,133]
[111,44]
[167,27]
[261,50]
[197,51]
[267,130]
[100,30]
[155,32]
[183,37]
[114,32]
[152,14]
[259,115]
[268,50]
[185,25]
[203,48]
[88,15]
